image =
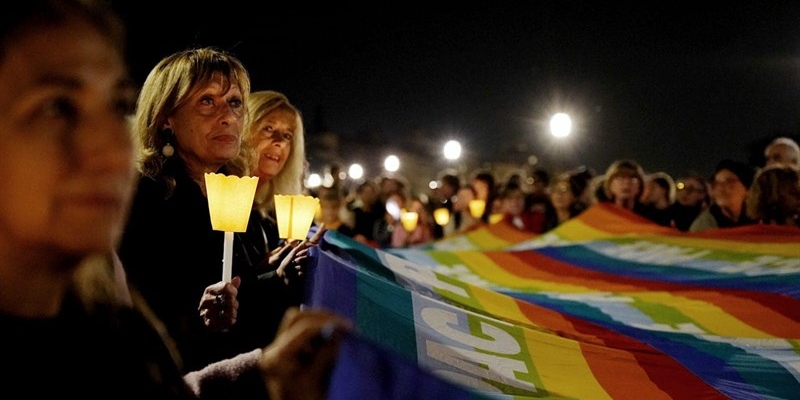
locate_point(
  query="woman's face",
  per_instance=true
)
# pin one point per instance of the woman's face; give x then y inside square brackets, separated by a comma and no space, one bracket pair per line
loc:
[653,192]
[67,153]
[481,189]
[514,202]
[273,138]
[329,210]
[691,193]
[625,186]
[728,191]
[208,125]
[561,196]
[463,197]
[782,154]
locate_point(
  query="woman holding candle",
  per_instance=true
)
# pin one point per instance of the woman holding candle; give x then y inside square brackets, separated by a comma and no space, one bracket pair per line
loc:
[274,151]
[189,121]
[421,228]
[69,322]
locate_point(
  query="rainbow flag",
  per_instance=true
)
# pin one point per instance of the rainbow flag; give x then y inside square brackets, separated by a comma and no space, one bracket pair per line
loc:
[606,306]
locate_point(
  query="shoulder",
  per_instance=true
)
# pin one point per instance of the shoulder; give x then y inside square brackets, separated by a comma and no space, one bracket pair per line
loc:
[705,220]
[148,188]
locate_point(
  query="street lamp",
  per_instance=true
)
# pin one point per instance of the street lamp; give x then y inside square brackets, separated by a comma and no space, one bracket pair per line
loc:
[391,163]
[313,181]
[356,171]
[452,150]
[560,128]
[560,125]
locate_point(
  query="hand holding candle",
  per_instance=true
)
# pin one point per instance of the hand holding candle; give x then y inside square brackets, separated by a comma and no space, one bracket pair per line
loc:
[294,253]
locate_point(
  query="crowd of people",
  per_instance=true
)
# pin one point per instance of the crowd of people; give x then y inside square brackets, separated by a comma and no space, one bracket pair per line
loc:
[734,194]
[108,252]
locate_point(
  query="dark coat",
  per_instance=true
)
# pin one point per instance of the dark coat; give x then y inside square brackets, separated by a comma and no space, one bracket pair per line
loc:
[171,254]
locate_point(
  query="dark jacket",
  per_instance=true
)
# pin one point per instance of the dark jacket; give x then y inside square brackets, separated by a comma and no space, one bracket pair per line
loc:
[171,254]
[101,349]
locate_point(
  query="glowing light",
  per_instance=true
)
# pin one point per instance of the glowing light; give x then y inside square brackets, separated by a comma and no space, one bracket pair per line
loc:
[442,216]
[409,220]
[452,150]
[313,181]
[560,125]
[295,213]
[477,207]
[391,163]
[230,199]
[356,171]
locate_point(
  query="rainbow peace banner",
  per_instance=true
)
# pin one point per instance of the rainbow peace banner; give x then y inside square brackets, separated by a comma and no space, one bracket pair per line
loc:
[606,306]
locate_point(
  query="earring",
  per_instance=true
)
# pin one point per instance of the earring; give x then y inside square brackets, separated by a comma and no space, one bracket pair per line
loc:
[167,150]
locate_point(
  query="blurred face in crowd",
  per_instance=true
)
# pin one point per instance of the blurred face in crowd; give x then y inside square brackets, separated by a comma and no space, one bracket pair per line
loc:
[368,194]
[514,202]
[329,210]
[273,141]
[653,192]
[67,153]
[481,189]
[728,191]
[781,153]
[463,197]
[624,186]
[561,196]
[691,192]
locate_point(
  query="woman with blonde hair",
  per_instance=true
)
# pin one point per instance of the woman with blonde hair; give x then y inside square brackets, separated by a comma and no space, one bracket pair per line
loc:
[275,148]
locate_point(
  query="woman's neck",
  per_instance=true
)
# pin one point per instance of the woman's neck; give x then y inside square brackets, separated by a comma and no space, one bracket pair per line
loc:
[197,171]
[661,204]
[732,212]
[263,190]
[563,214]
[625,202]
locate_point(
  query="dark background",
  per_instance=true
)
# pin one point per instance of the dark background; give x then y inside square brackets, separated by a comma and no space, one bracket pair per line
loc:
[675,87]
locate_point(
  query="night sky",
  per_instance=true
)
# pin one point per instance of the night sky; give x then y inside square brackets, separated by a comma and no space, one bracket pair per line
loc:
[675,87]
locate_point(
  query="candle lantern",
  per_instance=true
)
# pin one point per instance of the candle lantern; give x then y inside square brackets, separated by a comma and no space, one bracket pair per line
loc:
[476,208]
[495,218]
[409,220]
[441,215]
[230,199]
[295,215]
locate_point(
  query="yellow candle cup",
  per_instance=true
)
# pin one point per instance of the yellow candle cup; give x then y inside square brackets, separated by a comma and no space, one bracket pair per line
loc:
[295,215]
[441,215]
[409,220]
[230,199]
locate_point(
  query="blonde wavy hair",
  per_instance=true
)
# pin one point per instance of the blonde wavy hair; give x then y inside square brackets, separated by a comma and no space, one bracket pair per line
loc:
[289,180]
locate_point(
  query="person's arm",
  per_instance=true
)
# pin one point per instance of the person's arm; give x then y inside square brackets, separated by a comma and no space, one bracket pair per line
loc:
[296,365]
[232,378]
